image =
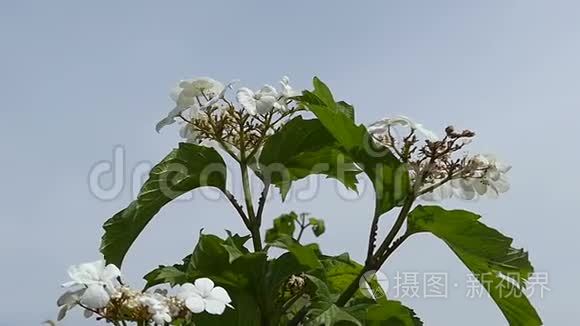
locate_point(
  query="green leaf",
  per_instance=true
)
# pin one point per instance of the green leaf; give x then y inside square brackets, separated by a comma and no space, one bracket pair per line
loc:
[284,225]
[172,275]
[234,245]
[183,170]
[389,176]
[384,313]
[487,253]
[327,314]
[318,226]
[306,255]
[340,272]
[302,148]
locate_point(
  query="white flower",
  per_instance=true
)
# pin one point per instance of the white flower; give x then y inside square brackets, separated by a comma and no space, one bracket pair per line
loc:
[213,100]
[286,93]
[98,281]
[157,307]
[68,301]
[487,178]
[186,95]
[287,90]
[260,102]
[381,127]
[187,130]
[204,295]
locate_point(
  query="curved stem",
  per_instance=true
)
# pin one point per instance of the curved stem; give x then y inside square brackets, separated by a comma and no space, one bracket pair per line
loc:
[238,207]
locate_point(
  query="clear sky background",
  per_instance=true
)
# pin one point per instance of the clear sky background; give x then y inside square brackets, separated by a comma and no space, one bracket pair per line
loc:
[80,77]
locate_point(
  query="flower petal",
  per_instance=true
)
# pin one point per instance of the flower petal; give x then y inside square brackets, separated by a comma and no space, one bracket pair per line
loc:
[220,294]
[69,298]
[214,307]
[87,313]
[62,313]
[95,297]
[86,273]
[204,286]
[245,97]
[195,304]
[186,290]
[110,272]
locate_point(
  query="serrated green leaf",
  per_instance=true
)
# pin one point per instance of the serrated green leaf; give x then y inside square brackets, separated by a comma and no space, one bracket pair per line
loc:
[302,148]
[487,253]
[179,172]
[389,176]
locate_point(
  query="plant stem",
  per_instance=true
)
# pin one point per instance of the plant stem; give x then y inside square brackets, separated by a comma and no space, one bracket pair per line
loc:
[373,235]
[397,226]
[254,224]
[380,256]
[238,208]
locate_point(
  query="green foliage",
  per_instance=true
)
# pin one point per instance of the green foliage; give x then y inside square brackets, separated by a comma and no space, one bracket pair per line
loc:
[306,255]
[284,225]
[329,314]
[389,177]
[384,313]
[318,227]
[302,148]
[337,273]
[184,169]
[500,268]
[303,282]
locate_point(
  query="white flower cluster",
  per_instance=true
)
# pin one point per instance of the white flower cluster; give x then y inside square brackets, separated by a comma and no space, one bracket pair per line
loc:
[197,94]
[99,291]
[487,178]
[443,177]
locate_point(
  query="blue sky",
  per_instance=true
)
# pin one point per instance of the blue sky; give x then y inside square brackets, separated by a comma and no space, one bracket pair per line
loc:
[78,78]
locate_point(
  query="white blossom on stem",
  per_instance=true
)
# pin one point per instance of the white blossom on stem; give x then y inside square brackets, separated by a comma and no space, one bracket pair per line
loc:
[187,94]
[203,295]
[260,102]
[98,281]
[484,175]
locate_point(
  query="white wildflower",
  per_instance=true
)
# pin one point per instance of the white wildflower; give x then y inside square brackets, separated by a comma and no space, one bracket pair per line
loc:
[203,295]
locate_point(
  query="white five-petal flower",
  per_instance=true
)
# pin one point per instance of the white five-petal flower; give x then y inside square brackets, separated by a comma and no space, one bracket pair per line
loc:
[186,94]
[203,295]
[98,281]
[260,102]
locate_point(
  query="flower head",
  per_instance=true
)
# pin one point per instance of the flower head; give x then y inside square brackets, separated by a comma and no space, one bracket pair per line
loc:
[188,94]
[203,295]
[98,281]
[260,102]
